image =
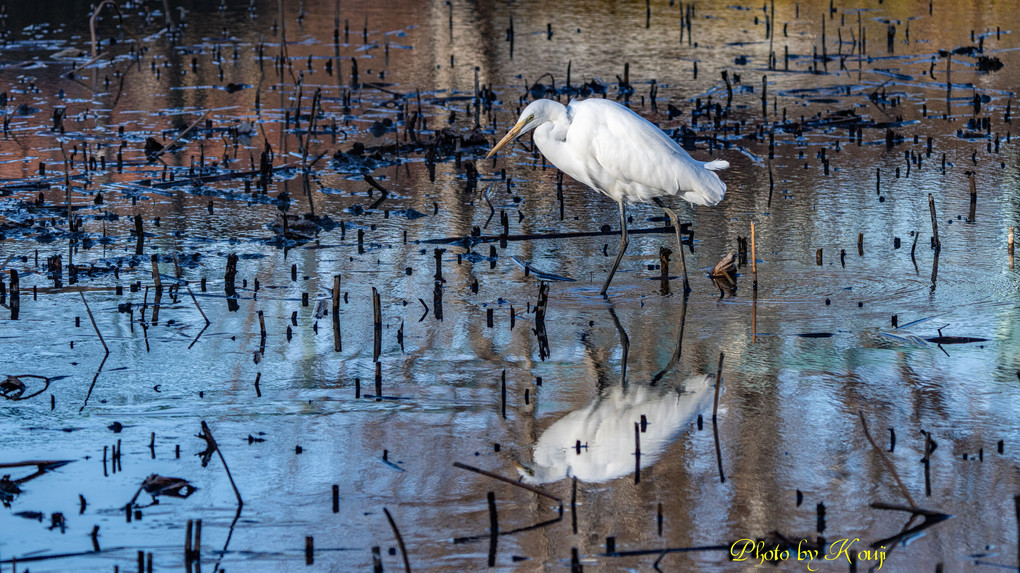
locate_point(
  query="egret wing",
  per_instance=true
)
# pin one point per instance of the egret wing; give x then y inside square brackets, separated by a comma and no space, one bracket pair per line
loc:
[633,160]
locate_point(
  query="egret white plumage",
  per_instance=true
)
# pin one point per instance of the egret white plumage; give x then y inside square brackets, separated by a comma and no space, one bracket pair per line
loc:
[620,154]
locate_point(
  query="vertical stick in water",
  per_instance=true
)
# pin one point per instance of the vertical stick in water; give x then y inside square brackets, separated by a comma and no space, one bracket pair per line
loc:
[754,261]
[377,324]
[573,504]
[1016,508]
[138,234]
[936,244]
[493,528]
[973,195]
[637,453]
[155,273]
[1009,246]
[502,394]
[336,294]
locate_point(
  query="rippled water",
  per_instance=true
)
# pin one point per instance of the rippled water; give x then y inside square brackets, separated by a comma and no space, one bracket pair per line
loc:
[293,415]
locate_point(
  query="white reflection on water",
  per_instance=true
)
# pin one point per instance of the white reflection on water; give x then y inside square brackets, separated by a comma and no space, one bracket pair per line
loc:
[605,430]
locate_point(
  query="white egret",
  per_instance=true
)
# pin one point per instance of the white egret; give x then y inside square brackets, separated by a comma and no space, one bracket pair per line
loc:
[620,154]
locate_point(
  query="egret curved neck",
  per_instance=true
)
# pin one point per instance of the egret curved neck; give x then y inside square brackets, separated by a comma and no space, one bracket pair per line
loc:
[551,139]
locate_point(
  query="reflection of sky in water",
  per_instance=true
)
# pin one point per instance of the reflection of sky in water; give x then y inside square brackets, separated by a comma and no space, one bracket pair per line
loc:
[788,417]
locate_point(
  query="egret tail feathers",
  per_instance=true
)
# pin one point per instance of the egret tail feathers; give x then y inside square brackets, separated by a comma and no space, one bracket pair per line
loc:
[717,165]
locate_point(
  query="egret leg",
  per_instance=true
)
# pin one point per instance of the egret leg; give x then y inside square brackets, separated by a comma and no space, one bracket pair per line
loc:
[624,241]
[679,243]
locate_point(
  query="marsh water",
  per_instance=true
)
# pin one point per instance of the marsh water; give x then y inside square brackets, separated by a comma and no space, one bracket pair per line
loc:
[856,315]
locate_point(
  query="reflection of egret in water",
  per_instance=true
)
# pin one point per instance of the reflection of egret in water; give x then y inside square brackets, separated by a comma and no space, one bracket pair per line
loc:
[605,429]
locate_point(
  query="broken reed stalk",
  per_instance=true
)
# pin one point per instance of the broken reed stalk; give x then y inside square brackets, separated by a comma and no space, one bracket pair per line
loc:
[1016,508]
[139,237]
[400,540]
[182,134]
[207,434]
[376,309]
[337,341]
[637,453]
[493,527]
[573,504]
[155,273]
[754,261]
[336,294]
[934,224]
[93,319]
[311,127]
[195,300]
[718,384]
[973,195]
[67,187]
[376,328]
[885,460]
[495,476]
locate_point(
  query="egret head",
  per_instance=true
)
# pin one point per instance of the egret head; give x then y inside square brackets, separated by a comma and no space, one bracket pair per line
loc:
[537,113]
[533,473]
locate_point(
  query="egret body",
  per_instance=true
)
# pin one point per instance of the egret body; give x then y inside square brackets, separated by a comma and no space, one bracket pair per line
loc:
[620,154]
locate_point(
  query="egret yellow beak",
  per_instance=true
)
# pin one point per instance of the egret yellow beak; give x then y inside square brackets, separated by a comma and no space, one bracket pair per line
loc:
[510,135]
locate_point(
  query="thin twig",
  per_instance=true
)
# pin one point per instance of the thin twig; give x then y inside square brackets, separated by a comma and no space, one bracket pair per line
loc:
[914,510]
[530,488]
[83,66]
[400,540]
[195,300]
[209,437]
[67,188]
[92,25]
[885,460]
[181,134]
[42,465]
[89,310]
